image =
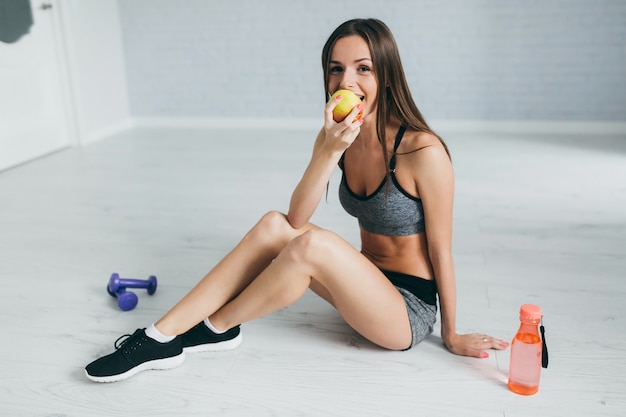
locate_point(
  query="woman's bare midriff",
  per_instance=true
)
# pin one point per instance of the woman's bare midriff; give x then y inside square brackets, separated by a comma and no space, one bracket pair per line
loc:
[404,254]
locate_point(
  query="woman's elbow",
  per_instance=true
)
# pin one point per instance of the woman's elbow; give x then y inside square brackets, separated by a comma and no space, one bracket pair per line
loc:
[295,221]
[439,254]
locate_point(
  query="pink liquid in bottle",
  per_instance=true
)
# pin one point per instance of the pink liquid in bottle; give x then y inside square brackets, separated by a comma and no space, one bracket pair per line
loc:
[525,365]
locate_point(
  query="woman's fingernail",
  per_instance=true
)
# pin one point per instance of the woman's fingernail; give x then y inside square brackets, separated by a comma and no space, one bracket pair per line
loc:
[339,97]
[485,355]
[359,107]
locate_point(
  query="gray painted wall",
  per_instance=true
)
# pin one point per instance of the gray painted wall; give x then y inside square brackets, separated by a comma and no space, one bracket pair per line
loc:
[465,60]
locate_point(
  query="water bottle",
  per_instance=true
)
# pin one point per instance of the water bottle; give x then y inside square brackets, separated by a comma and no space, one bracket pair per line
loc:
[528,352]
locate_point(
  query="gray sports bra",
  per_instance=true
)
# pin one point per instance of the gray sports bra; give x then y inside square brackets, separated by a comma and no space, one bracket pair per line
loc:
[399,214]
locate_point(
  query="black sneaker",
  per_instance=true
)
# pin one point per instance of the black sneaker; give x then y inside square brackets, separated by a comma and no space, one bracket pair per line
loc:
[136,353]
[201,339]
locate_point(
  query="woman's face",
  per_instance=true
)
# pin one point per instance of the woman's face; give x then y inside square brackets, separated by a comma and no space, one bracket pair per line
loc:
[351,68]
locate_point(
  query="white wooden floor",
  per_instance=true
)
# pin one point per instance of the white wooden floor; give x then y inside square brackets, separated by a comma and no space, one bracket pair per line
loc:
[537,220]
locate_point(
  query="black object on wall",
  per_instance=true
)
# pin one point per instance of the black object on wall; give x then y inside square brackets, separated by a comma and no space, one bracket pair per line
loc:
[16,18]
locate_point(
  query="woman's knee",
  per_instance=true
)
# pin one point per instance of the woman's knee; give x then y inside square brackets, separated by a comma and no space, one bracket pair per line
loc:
[311,246]
[275,223]
[272,227]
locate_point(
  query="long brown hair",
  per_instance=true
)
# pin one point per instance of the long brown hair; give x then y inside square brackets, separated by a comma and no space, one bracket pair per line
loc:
[394,96]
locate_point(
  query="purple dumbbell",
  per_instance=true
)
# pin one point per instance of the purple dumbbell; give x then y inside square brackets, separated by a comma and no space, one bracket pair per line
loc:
[127,300]
[115,283]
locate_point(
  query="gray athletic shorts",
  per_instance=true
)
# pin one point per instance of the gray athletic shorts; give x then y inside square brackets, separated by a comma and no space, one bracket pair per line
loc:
[422,316]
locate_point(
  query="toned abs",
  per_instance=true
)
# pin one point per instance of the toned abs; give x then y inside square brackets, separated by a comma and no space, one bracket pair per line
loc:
[405,254]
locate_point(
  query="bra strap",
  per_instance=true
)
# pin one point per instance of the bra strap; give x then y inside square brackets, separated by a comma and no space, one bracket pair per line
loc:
[392,161]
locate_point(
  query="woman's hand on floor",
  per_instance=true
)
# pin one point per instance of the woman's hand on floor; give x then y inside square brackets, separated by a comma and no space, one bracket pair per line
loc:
[474,344]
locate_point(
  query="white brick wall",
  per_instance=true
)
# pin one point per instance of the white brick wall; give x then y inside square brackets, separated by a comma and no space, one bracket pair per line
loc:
[476,60]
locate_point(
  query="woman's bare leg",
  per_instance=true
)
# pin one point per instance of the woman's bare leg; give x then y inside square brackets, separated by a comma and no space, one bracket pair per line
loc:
[232,274]
[323,261]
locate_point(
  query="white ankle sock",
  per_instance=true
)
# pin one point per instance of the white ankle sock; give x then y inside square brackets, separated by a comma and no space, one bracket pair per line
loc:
[154,334]
[213,329]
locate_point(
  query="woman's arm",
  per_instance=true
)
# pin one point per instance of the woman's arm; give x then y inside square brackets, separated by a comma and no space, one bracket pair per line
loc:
[330,144]
[435,183]
[307,194]
[435,180]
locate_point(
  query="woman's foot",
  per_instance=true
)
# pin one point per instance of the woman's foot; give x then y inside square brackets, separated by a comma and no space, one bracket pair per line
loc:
[136,353]
[202,339]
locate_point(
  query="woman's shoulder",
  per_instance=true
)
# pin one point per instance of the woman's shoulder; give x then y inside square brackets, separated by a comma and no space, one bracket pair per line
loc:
[419,142]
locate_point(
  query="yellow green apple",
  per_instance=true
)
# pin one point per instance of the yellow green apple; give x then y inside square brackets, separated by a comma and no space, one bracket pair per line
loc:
[345,106]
